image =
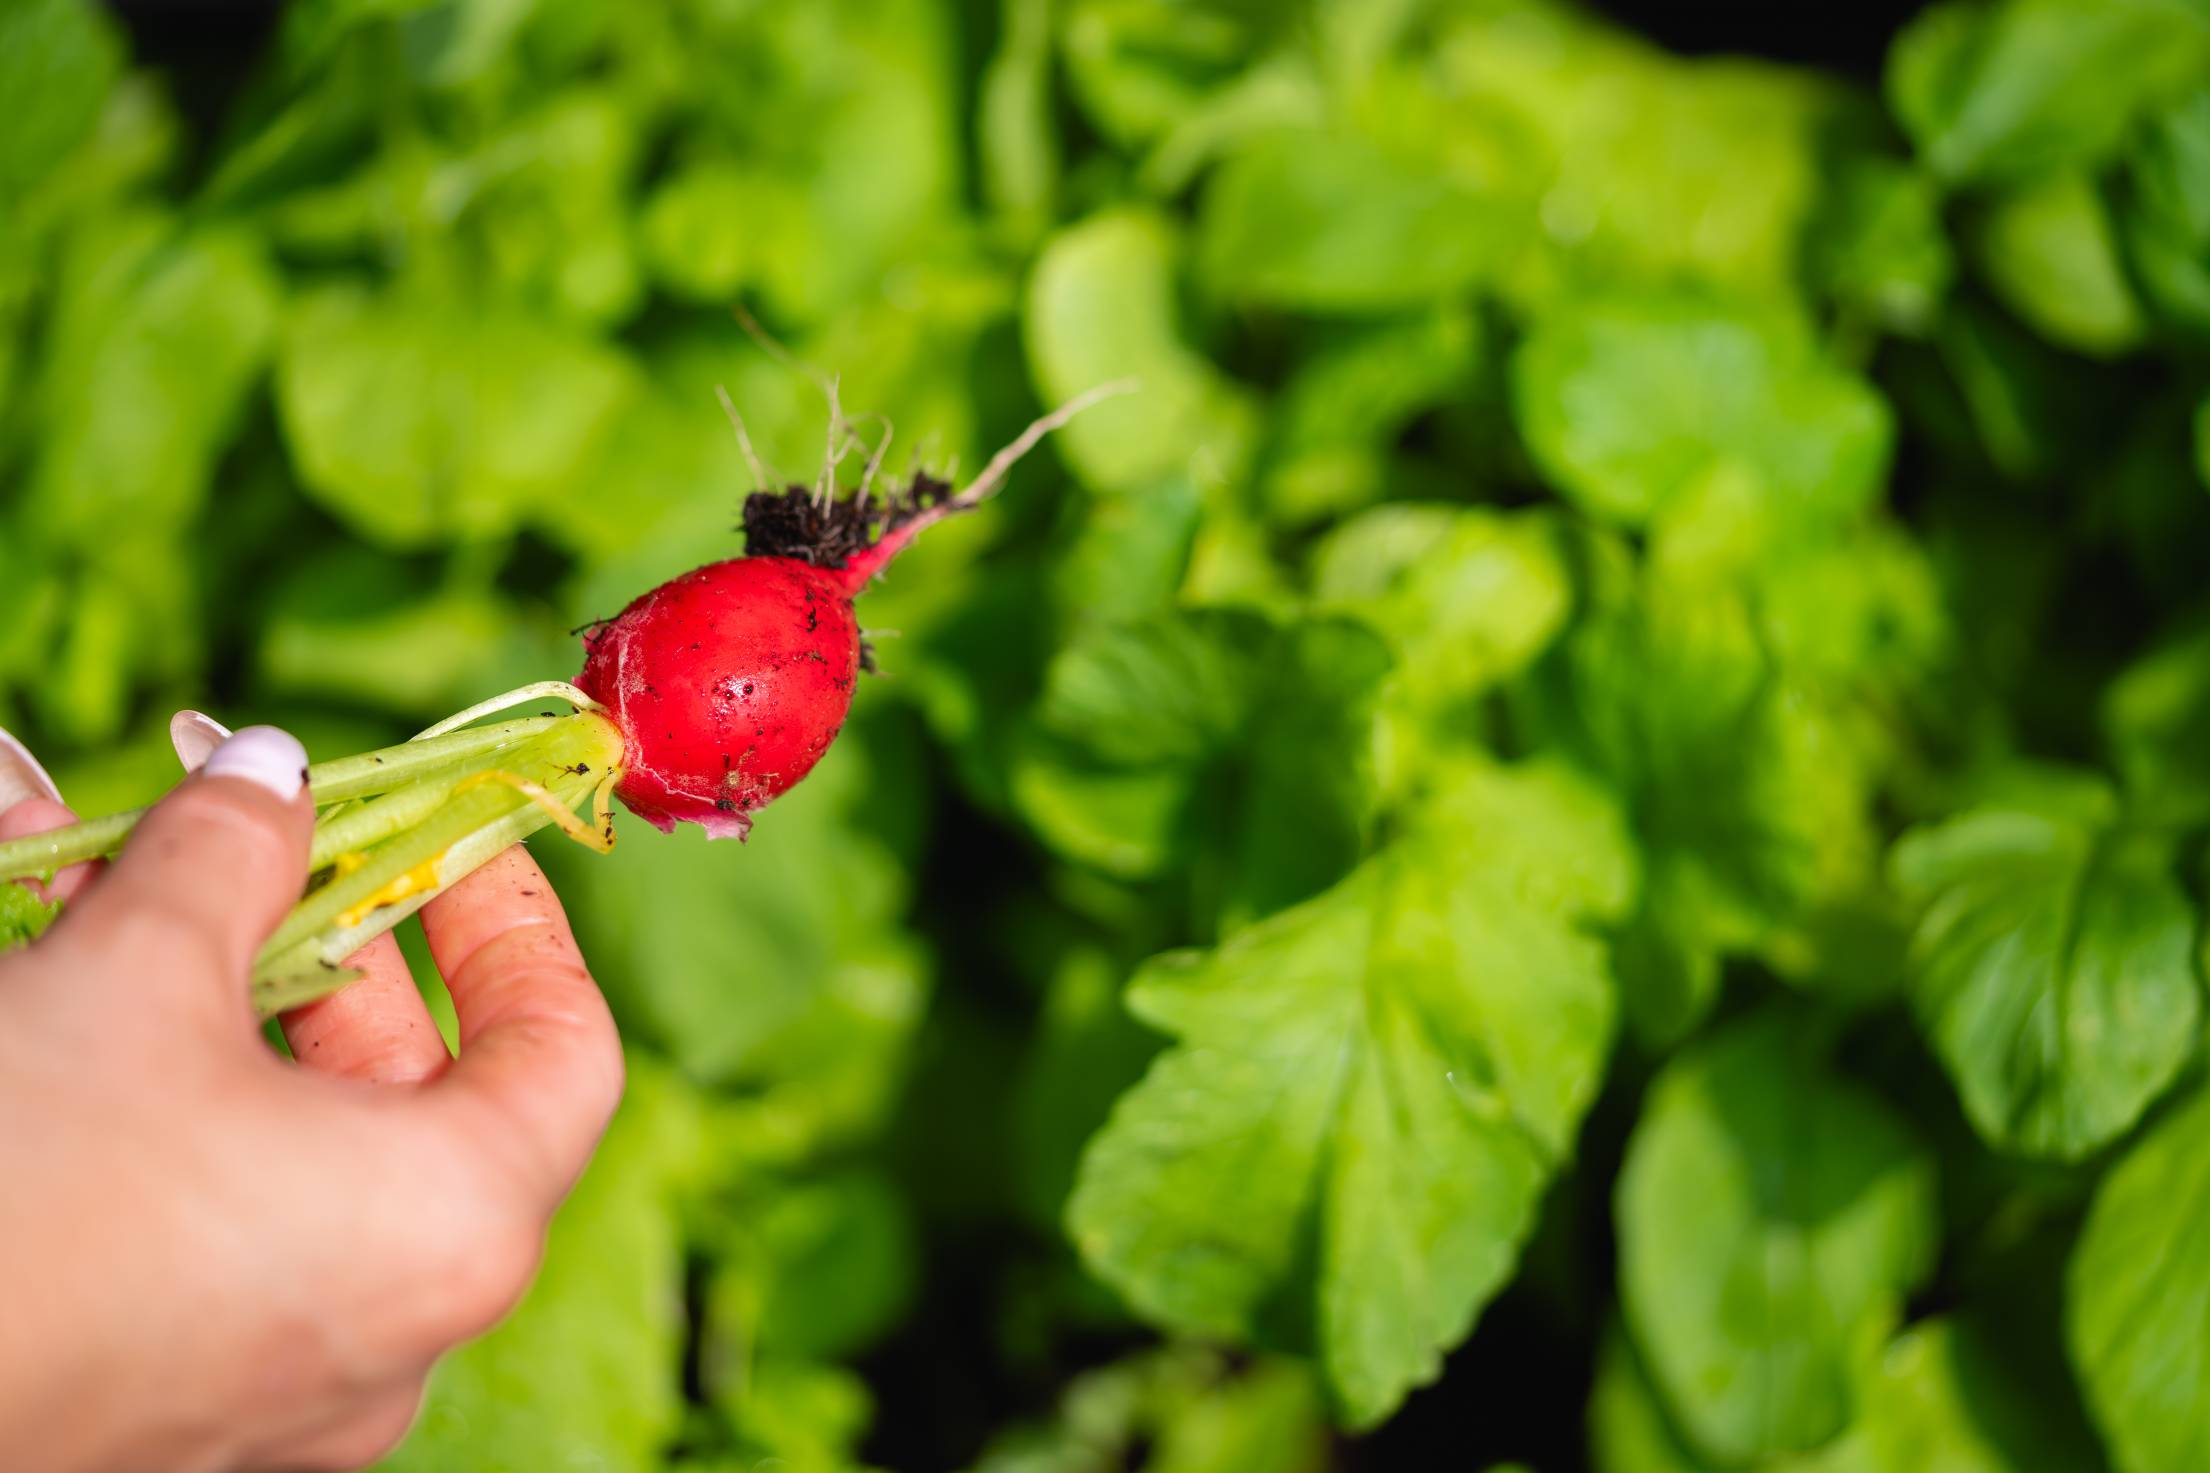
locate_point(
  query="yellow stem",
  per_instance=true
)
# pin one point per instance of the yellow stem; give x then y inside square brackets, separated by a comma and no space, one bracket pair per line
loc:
[598,838]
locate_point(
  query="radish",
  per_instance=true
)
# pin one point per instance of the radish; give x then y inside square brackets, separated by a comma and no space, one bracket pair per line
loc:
[702,701]
[729,682]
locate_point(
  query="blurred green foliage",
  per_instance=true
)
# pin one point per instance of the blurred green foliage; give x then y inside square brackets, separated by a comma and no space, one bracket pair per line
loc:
[1596,795]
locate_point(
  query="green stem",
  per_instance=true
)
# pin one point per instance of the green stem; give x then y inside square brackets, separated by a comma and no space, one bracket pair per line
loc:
[349,828]
[39,855]
[453,755]
[543,690]
[312,966]
[422,841]
[399,827]
[394,767]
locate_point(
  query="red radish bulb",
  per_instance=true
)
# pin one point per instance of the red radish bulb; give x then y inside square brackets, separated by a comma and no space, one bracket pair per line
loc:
[729,682]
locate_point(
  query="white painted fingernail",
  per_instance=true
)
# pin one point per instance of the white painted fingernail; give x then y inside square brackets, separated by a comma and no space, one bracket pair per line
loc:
[20,775]
[266,755]
[196,735]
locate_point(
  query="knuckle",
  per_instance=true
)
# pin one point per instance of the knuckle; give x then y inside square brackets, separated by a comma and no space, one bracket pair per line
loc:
[366,1437]
[581,1034]
[478,1259]
[548,1134]
[493,1277]
[514,1261]
[610,1072]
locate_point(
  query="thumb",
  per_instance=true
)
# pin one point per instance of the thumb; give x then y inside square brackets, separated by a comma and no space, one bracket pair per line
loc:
[209,873]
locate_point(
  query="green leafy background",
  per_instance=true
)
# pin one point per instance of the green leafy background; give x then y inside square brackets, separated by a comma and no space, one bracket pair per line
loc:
[1578,838]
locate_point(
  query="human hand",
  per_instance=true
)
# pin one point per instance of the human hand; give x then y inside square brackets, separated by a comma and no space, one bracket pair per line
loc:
[213,1258]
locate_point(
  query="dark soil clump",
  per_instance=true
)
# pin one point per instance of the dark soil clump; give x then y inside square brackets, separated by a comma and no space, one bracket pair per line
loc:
[793,523]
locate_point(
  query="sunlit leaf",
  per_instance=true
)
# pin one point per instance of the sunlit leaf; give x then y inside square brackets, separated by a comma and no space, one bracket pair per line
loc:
[1772,1217]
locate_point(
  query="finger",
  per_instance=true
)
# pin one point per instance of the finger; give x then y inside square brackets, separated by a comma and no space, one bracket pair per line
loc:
[36,816]
[31,804]
[209,871]
[540,1066]
[373,1426]
[377,1030]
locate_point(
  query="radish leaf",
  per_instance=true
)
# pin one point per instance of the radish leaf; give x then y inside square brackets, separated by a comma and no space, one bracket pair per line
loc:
[1631,404]
[23,916]
[2053,969]
[1368,1092]
[2138,1281]
[1771,1218]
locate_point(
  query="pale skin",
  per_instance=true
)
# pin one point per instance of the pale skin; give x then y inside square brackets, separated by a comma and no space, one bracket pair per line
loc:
[213,1258]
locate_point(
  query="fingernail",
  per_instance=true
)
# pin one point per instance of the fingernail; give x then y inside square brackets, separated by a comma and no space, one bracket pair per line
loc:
[266,755]
[20,775]
[196,735]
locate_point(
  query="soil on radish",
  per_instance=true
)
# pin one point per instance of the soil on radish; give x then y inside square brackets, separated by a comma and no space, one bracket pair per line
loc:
[796,522]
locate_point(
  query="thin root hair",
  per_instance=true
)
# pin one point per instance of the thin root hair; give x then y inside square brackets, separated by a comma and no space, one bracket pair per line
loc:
[825,486]
[875,459]
[827,383]
[763,475]
[775,350]
[993,474]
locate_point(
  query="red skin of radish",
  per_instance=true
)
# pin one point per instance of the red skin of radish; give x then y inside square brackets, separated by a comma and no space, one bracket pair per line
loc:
[729,682]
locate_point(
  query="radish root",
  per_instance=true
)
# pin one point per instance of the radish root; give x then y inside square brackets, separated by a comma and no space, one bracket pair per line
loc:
[993,474]
[763,475]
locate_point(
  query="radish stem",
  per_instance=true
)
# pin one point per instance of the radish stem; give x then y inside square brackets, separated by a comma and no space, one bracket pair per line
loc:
[428,838]
[543,690]
[453,755]
[400,826]
[586,742]
[448,753]
[312,968]
[560,812]
[37,856]
[354,827]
